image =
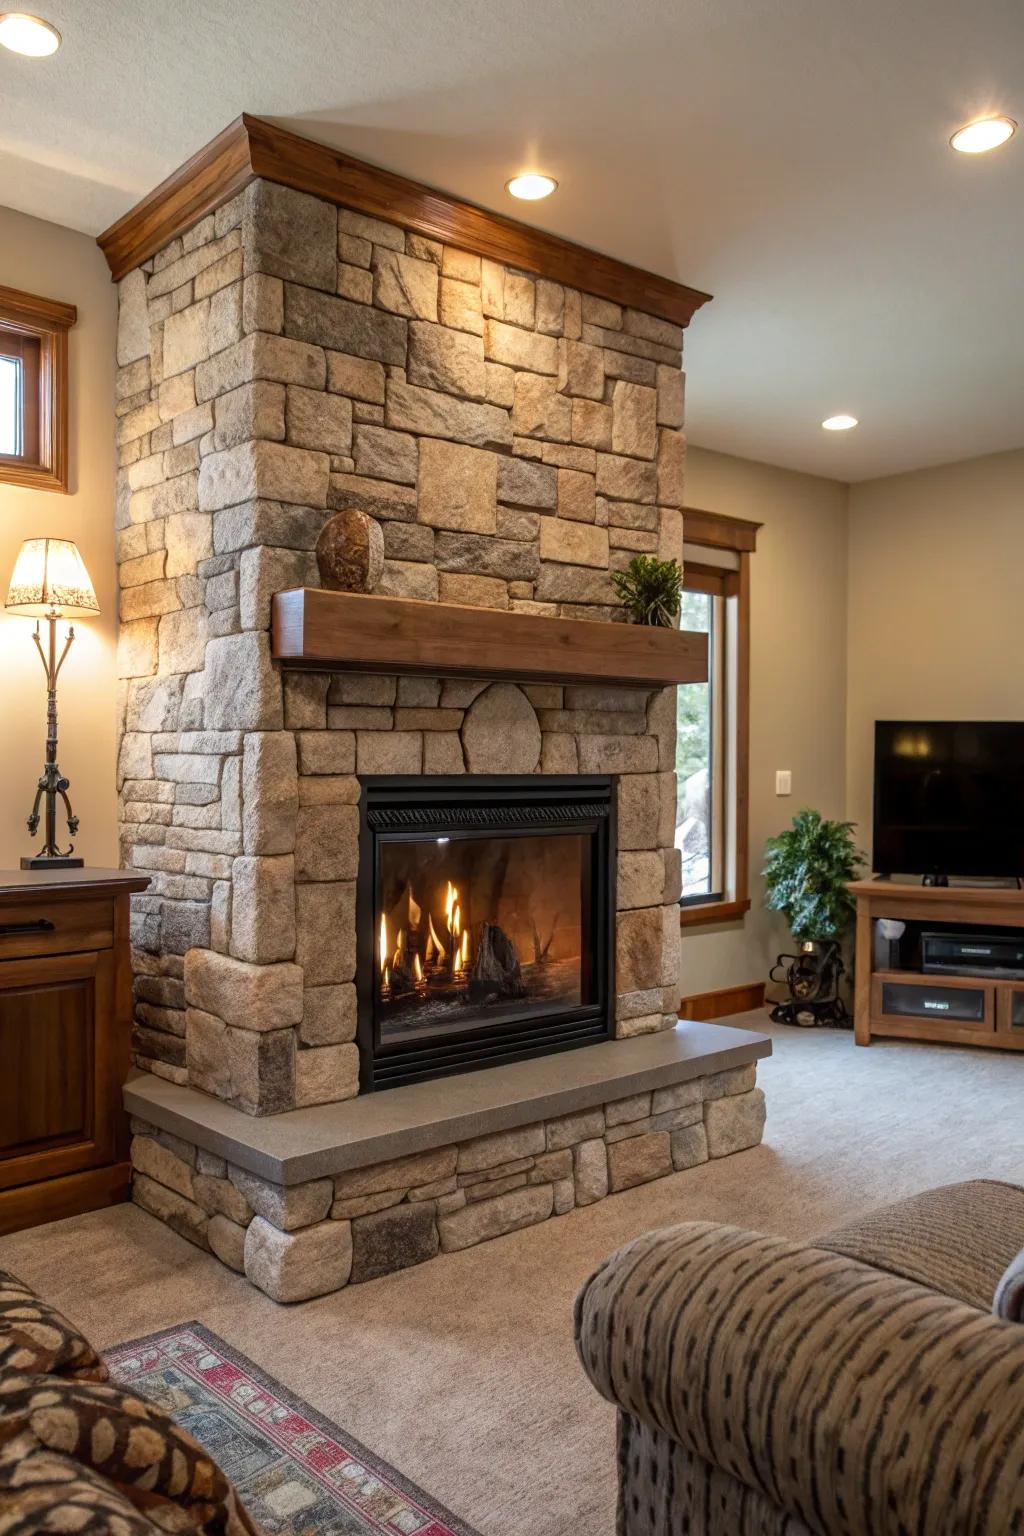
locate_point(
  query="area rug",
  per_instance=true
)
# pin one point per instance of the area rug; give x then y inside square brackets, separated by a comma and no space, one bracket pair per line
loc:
[296,1472]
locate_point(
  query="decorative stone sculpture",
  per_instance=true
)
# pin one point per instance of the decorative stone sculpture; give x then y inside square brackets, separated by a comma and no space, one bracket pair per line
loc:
[350,552]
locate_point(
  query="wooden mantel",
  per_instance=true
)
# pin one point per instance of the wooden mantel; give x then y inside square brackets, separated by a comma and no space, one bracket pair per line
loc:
[251,147]
[358,632]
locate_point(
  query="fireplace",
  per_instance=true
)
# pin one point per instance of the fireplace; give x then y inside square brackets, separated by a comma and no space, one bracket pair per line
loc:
[485,921]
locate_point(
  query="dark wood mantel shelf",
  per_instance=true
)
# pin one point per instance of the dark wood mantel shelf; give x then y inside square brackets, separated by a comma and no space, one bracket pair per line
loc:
[358,632]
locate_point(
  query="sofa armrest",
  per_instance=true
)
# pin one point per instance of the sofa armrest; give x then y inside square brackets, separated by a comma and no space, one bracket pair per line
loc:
[853,1399]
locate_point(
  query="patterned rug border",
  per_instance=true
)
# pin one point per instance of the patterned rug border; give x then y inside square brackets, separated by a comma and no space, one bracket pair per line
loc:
[375,1464]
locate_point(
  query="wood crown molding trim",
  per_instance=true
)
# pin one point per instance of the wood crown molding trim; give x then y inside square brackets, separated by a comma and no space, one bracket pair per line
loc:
[720,531]
[251,147]
[213,175]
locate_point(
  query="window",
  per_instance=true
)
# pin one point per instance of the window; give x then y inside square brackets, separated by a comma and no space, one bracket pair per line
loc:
[33,390]
[19,396]
[711,742]
[700,758]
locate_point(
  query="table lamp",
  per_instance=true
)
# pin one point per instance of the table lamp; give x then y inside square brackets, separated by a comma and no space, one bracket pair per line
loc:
[50,582]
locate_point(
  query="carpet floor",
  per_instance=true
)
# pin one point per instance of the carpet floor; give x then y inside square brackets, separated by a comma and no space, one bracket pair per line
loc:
[462,1372]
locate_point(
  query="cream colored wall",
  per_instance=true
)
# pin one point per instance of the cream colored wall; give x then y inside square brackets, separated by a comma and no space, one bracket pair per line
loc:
[797,680]
[935,604]
[57,263]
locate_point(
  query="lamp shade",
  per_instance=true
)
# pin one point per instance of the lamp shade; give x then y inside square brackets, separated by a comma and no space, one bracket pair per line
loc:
[50,577]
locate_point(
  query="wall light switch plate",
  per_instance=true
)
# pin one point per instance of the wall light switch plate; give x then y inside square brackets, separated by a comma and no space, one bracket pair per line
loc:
[783,781]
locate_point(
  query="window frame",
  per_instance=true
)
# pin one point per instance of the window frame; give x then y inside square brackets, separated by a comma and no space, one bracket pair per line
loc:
[715,531]
[36,329]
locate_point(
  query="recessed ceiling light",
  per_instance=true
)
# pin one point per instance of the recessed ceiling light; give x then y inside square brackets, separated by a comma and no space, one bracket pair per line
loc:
[839,423]
[29,35]
[987,133]
[531,186]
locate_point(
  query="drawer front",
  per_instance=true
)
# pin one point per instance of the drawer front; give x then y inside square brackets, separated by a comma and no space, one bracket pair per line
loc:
[964,1006]
[42,926]
[1011,1010]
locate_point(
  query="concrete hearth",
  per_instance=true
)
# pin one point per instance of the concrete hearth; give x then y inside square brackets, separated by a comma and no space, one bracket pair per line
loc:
[307,1202]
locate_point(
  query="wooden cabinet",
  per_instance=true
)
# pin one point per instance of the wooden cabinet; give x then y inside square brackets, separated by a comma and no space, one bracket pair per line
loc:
[65,1021]
[908,1003]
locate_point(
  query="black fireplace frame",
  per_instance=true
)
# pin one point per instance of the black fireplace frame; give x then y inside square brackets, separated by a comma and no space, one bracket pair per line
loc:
[393,805]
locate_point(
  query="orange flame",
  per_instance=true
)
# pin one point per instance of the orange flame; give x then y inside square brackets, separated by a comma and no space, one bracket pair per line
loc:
[433,939]
[417,969]
[384,944]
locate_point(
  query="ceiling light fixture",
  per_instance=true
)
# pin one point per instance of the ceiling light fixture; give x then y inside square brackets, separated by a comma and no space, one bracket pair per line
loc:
[29,35]
[987,133]
[839,423]
[531,186]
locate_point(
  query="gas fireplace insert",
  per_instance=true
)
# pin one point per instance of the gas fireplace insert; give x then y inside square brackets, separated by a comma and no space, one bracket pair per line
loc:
[485,921]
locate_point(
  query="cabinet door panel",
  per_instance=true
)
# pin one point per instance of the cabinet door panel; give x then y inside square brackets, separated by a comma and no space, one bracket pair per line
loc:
[55,1028]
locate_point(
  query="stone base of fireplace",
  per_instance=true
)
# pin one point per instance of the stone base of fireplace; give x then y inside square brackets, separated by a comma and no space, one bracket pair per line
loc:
[317,1199]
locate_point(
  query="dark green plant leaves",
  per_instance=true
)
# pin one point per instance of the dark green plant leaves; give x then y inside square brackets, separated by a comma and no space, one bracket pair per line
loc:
[649,589]
[806,872]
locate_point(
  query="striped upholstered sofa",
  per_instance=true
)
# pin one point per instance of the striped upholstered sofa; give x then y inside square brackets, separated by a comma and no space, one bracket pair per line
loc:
[856,1386]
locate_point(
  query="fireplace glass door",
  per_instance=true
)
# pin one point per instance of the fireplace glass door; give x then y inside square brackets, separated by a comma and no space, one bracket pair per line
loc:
[485,914]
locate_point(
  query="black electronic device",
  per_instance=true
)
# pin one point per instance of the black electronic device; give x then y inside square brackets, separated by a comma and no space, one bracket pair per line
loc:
[949,799]
[973,954]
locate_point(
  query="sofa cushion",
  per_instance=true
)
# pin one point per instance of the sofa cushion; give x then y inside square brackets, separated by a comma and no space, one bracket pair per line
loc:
[958,1239]
[36,1338]
[41,1491]
[141,1453]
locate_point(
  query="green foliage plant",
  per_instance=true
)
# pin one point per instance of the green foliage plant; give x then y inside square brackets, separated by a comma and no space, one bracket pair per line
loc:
[806,872]
[649,589]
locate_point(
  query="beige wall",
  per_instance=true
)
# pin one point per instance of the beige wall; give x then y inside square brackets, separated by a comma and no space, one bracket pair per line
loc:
[935,604]
[60,264]
[797,680]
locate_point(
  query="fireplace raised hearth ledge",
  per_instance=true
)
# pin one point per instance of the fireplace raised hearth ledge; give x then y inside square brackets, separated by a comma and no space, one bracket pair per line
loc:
[315,1143]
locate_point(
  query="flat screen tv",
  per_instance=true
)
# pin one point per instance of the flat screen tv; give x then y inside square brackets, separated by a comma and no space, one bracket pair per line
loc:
[949,797]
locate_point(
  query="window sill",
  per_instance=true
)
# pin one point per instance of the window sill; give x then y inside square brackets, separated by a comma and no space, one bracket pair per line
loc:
[29,476]
[713,912]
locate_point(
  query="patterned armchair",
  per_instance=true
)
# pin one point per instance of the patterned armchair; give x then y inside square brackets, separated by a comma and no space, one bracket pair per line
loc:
[857,1386]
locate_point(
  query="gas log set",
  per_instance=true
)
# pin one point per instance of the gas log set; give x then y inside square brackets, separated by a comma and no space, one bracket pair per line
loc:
[439,957]
[446,963]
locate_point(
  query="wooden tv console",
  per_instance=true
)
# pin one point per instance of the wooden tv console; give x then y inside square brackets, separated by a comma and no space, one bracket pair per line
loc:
[885,998]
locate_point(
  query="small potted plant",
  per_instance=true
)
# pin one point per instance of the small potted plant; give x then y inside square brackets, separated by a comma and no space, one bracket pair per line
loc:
[807,871]
[650,590]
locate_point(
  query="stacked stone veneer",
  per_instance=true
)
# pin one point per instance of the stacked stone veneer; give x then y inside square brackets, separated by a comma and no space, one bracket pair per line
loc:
[303,1240]
[517,441]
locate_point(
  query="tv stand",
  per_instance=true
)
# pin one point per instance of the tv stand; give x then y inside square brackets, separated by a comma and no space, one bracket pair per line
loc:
[895,998]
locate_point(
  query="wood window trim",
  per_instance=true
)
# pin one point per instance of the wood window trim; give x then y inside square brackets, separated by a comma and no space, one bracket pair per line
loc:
[742,537]
[717,530]
[44,465]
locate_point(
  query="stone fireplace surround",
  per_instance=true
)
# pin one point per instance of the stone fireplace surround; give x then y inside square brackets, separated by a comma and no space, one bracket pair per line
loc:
[516,440]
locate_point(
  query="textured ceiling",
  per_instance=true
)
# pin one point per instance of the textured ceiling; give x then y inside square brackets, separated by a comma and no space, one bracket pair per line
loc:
[790,156]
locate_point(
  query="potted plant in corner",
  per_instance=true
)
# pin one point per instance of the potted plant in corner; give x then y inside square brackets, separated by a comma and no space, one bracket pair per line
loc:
[807,871]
